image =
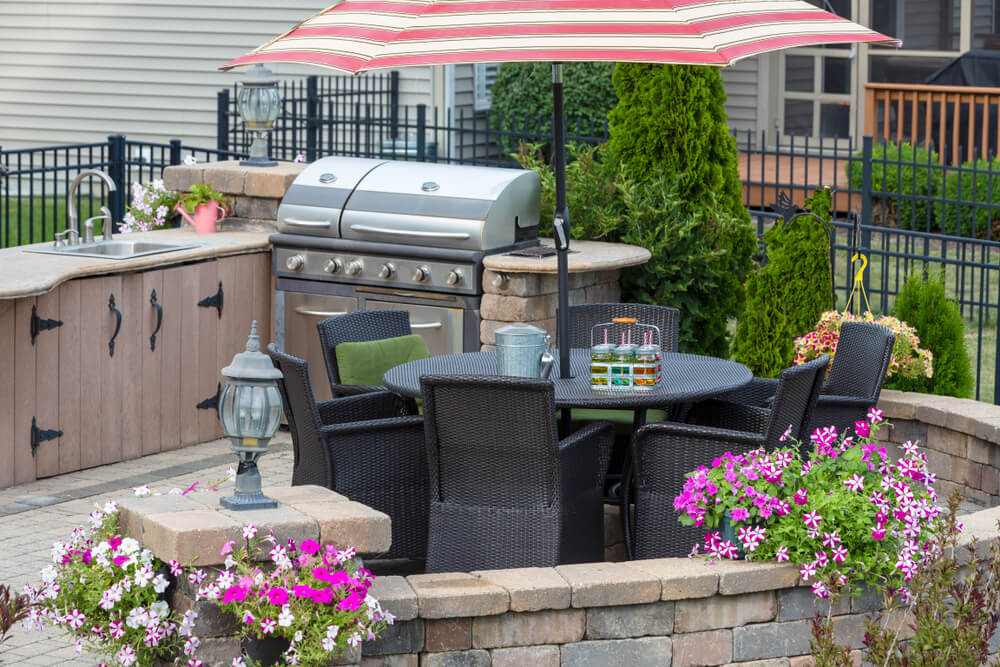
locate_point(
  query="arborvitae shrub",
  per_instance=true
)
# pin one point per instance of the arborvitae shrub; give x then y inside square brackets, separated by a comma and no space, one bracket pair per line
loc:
[671,119]
[902,173]
[786,296]
[977,186]
[924,305]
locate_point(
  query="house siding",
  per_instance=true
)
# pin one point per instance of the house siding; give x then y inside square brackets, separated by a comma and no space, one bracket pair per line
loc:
[741,82]
[74,71]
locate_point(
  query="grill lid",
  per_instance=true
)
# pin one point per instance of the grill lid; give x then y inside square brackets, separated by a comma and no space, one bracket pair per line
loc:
[472,208]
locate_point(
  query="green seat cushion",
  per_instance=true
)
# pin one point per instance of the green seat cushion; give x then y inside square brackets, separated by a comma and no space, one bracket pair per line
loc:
[365,363]
[622,419]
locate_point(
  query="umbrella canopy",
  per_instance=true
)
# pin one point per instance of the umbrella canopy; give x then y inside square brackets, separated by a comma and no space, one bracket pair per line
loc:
[360,35]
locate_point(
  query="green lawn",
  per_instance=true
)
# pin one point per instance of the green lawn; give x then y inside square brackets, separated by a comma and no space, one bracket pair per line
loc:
[35,219]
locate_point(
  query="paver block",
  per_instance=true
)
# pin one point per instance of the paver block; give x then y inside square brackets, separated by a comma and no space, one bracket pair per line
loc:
[531,588]
[680,578]
[771,640]
[283,521]
[255,208]
[400,637]
[132,510]
[979,450]
[395,596]
[448,634]
[191,536]
[217,651]
[636,620]
[644,652]
[473,658]
[607,584]
[306,493]
[350,524]
[182,177]
[795,604]
[211,622]
[522,656]
[457,594]
[724,612]
[226,176]
[714,647]
[554,626]
[397,660]
[736,577]
[271,182]
[773,662]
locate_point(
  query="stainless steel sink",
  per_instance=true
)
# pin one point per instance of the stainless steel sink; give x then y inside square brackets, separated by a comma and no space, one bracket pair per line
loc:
[113,249]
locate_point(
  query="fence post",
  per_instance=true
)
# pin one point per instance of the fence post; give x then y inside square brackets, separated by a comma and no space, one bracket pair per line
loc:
[116,170]
[421,136]
[394,103]
[866,203]
[175,151]
[312,117]
[222,120]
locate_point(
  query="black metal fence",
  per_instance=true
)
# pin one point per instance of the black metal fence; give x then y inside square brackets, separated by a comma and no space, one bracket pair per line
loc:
[361,117]
[34,182]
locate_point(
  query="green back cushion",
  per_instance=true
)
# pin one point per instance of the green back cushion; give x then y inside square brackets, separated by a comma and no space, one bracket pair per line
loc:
[366,363]
[622,419]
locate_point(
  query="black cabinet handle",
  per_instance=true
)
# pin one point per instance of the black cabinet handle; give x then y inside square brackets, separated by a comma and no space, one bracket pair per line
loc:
[159,319]
[118,325]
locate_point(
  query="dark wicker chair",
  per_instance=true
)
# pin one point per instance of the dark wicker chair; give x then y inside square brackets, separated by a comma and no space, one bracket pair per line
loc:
[583,317]
[362,447]
[854,384]
[664,452]
[359,327]
[505,491]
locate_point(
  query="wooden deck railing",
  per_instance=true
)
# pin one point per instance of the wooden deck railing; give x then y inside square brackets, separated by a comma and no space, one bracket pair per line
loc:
[962,122]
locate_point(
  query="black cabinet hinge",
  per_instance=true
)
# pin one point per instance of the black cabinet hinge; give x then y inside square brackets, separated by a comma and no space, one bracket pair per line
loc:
[40,435]
[214,301]
[212,402]
[38,324]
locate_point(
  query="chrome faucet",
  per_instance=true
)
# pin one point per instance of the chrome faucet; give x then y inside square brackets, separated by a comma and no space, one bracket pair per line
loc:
[73,220]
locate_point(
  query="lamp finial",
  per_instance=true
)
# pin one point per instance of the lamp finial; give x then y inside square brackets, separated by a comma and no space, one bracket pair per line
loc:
[253,342]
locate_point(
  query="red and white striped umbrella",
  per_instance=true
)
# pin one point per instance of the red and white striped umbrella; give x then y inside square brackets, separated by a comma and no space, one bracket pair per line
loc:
[360,35]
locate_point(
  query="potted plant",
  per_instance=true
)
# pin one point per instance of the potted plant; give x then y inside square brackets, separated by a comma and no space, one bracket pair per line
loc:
[151,208]
[208,205]
[309,607]
[847,516]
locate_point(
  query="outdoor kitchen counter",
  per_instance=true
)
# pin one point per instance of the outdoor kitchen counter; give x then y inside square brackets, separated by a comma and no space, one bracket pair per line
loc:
[583,256]
[24,274]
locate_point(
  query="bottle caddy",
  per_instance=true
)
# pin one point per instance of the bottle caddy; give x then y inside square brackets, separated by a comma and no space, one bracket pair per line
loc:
[627,365]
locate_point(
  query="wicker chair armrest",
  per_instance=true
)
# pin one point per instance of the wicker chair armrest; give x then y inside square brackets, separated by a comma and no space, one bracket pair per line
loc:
[577,449]
[370,426]
[730,416]
[698,432]
[760,392]
[353,389]
[372,405]
[826,400]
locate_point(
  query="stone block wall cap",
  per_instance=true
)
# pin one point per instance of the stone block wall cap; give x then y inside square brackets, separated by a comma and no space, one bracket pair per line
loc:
[583,256]
[457,594]
[680,578]
[531,588]
[607,584]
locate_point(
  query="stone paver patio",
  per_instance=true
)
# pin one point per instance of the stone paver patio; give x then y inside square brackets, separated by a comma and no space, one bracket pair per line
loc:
[35,515]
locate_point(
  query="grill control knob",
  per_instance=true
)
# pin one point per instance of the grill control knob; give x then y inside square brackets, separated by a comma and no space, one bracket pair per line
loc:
[387,270]
[454,277]
[420,274]
[333,266]
[355,268]
[295,262]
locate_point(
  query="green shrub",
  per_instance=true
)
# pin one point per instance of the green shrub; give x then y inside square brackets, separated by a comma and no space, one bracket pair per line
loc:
[700,258]
[972,183]
[671,119]
[524,90]
[786,296]
[923,304]
[901,182]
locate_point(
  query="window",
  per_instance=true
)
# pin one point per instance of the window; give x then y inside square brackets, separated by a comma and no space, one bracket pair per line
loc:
[483,76]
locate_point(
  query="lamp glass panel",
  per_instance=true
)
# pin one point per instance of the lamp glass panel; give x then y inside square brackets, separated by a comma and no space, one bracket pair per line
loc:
[259,105]
[250,410]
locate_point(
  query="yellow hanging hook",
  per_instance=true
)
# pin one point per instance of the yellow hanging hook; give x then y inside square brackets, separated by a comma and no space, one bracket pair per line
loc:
[859,285]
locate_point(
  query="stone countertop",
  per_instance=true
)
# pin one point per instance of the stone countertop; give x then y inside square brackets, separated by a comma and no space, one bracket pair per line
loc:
[29,274]
[583,256]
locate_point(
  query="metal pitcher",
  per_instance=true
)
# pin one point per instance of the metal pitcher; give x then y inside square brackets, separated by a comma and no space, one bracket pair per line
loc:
[522,351]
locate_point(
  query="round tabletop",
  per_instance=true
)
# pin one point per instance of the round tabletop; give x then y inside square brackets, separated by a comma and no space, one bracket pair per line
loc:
[684,378]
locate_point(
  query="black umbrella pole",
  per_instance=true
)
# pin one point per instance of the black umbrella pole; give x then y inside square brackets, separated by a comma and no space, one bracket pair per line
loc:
[560,222]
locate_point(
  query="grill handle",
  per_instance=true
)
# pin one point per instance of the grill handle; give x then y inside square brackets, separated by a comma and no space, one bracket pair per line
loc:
[427,325]
[302,310]
[400,232]
[305,223]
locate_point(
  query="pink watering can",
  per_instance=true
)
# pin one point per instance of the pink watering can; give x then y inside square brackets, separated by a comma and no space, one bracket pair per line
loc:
[205,216]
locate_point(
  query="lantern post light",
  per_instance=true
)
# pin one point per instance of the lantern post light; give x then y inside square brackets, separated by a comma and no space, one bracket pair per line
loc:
[250,411]
[258,102]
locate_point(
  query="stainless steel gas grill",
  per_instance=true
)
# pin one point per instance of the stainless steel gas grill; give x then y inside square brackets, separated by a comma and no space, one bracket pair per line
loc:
[360,234]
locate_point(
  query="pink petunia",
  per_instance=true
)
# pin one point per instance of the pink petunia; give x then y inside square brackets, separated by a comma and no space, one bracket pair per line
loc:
[862,429]
[234,594]
[812,519]
[227,548]
[801,497]
[781,555]
[277,596]
[309,547]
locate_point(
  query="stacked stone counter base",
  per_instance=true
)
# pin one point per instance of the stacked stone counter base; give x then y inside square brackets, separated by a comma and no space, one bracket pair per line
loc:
[192,528]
